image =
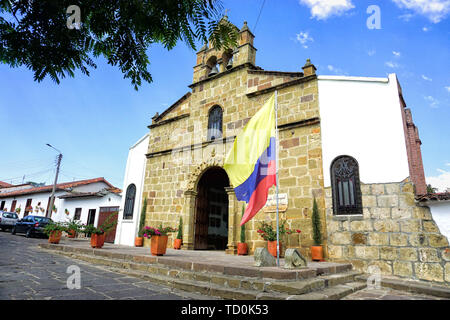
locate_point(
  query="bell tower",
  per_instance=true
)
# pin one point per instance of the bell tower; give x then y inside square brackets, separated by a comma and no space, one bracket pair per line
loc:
[211,61]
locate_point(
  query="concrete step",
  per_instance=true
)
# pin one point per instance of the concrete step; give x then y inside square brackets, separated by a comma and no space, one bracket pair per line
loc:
[224,286]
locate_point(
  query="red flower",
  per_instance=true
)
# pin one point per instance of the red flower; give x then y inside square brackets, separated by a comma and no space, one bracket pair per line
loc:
[298,230]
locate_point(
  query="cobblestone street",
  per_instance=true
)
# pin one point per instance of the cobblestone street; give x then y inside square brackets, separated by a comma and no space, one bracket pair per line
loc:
[29,273]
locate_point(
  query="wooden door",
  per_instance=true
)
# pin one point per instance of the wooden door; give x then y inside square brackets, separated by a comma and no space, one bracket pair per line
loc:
[201,219]
[105,213]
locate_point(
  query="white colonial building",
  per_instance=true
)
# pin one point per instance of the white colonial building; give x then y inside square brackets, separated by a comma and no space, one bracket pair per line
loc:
[89,201]
[131,204]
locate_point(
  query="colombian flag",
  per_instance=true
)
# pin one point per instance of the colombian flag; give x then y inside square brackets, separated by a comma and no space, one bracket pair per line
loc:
[251,163]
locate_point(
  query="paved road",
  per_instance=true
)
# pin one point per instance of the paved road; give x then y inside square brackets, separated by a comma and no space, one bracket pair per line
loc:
[27,272]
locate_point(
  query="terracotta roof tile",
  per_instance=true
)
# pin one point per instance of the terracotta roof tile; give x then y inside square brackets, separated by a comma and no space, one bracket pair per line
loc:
[5,185]
[434,197]
[59,186]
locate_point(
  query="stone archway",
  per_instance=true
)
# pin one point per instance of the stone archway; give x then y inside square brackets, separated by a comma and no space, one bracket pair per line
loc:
[189,209]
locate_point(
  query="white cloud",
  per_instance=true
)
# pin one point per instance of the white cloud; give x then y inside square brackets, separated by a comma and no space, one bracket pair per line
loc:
[304,38]
[323,9]
[371,53]
[425,29]
[441,181]
[396,53]
[432,101]
[336,70]
[448,88]
[406,17]
[392,65]
[434,10]
[424,77]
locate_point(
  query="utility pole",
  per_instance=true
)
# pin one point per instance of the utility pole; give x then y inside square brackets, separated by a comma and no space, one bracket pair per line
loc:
[52,197]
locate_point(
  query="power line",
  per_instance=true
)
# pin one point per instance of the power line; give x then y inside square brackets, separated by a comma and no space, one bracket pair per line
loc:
[259,15]
[27,176]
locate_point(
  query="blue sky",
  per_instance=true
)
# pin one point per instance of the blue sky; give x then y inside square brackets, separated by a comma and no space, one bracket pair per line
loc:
[94,120]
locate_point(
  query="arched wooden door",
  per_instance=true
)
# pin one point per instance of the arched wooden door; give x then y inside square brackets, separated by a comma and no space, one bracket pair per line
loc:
[211,213]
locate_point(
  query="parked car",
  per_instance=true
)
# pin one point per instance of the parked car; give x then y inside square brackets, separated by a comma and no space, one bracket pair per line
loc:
[31,225]
[8,220]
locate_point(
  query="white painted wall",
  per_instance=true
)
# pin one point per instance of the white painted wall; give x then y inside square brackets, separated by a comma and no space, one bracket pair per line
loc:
[109,200]
[441,215]
[134,173]
[361,117]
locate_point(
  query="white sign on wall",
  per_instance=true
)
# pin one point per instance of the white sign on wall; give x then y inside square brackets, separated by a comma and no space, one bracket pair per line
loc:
[271,204]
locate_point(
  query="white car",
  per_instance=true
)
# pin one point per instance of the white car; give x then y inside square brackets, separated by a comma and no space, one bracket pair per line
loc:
[8,220]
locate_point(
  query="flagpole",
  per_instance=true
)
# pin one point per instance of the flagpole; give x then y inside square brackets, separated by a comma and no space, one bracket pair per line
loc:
[276,176]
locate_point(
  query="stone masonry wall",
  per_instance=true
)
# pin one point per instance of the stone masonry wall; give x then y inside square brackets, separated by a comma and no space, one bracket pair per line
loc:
[394,234]
[169,176]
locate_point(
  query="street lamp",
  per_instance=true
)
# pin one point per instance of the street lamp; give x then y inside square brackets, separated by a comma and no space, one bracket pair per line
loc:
[52,197]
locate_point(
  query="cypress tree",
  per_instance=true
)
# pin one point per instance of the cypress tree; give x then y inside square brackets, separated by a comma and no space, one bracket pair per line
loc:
[180,226]
[317,234]
[243,228]
[142,221]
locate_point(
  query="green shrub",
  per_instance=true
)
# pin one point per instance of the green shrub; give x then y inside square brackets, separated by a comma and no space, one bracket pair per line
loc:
[243,228]
[142,220]
[317,233]
[180,229]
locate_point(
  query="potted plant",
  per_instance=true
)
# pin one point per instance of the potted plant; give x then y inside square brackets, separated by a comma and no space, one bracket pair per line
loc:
[54,231]
[54,209]
[242,247]
[18,210]
[66,211]
[98,234]
[73,227]
[179,240]
[267,232]
[159,239]
[316,249]
[139,240]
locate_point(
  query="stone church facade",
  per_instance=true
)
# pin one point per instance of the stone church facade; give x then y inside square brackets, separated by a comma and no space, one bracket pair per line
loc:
[188,142]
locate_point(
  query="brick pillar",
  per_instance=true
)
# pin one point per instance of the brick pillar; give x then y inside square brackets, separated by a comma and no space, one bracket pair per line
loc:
[188,218]
[232,220]
[414,152]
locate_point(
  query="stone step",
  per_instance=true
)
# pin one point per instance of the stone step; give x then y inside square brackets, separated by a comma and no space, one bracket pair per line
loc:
[336,292]
[179,263]
[420,287]
[224,286]
[309,285]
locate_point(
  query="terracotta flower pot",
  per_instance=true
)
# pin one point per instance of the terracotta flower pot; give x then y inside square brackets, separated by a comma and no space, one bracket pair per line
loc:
[272,248]
[54,237]
[158,245]
[242,249]
[317,253]
[71,233]
[97,240]
[177,244]
[138,241]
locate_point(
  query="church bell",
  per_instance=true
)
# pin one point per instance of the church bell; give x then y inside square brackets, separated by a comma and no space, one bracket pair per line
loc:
[213,71]
[229,64]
